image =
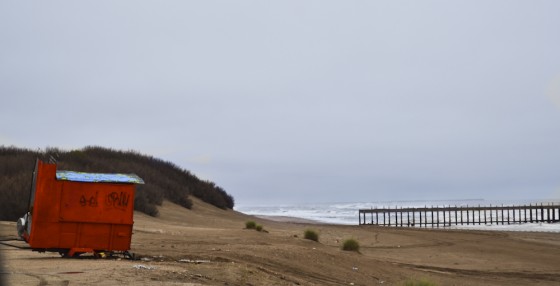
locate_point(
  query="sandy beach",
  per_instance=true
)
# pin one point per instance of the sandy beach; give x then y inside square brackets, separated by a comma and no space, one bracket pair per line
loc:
[210,246]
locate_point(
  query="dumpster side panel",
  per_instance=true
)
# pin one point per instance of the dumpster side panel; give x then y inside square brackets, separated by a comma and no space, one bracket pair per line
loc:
[45,235]
[68,234]
[44,212]
[97,202]
[47,195]
[122,235]
[95,236]
[96,215]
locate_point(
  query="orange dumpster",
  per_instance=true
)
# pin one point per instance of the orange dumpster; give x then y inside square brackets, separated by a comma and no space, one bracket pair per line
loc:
[74,212]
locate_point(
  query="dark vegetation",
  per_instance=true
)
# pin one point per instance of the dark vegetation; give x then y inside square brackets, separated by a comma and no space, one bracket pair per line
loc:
[163,180]
[311,235]
[351,245]
[250,225]
[253,225]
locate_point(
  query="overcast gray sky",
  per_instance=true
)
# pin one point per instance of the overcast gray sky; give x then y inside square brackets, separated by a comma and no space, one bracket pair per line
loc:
[297,101]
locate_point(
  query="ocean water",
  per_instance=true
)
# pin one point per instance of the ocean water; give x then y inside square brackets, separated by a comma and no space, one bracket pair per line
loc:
[347,213]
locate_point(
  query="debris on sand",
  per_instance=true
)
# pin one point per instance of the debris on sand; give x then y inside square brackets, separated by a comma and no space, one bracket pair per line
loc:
[141,266]
[197,261]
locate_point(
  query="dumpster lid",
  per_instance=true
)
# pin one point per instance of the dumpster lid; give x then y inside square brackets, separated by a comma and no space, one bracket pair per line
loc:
[98,177]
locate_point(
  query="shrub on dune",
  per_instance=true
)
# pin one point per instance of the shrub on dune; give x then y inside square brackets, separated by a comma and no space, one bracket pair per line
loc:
[351,245]
[250,225]
[311,235]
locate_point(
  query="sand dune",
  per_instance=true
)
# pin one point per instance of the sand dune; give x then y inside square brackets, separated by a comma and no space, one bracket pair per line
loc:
[209,246]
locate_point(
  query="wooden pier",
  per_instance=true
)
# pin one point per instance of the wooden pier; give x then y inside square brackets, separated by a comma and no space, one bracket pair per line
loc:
[447,216]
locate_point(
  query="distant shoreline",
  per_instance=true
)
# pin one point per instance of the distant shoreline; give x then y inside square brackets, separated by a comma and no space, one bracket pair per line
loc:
[289,219]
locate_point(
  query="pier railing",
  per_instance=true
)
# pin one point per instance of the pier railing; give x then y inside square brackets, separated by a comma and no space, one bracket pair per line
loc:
[459,215]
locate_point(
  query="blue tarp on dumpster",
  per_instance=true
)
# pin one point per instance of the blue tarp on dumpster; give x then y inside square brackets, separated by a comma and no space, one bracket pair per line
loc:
[98,177]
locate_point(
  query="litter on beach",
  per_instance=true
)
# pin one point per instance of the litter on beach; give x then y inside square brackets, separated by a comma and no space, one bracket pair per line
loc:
[197,261]
[141,266]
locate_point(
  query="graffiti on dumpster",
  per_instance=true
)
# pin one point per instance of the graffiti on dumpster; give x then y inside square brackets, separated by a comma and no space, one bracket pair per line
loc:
[118,200]
[91,201]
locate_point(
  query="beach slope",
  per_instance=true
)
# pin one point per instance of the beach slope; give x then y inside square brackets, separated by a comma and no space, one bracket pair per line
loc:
[210,246]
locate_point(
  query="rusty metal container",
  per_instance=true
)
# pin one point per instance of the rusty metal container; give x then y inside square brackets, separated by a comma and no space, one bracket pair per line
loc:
[74,212]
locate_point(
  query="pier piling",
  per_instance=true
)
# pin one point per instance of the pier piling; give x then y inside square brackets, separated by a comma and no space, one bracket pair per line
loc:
[459,215]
